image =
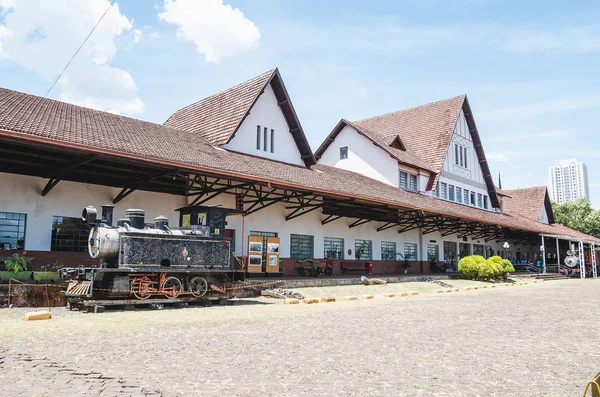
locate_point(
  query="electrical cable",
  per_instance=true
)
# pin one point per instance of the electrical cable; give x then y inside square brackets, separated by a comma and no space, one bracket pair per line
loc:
[79,49]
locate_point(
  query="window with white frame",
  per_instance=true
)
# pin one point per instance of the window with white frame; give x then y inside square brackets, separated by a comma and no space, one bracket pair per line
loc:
[466,197]
[460,156]
[410,251]
[403,180]
[302,246]
[258,137]
[458,195]
[363,249]
[413,183]
[344,153]
[12,230]
[473,198]
[480,200]
[266,130]
[433,252]
[334,247]
[444,191]
[436,192]
[485,202]
[451,192]
[272,141]
[388,251]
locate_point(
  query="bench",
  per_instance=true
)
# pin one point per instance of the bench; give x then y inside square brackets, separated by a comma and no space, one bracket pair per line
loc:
[348,267]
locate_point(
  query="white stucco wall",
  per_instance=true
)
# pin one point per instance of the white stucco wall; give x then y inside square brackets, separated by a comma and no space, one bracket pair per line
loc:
[363,157]
[266,113]
[470,178]
[22,194]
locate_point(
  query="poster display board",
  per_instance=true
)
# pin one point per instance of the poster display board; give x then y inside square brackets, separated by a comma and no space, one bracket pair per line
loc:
[255,249]
[272,265]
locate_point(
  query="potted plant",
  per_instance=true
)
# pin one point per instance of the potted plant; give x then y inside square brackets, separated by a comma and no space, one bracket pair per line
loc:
[47,273]
[16,267]
[405,258]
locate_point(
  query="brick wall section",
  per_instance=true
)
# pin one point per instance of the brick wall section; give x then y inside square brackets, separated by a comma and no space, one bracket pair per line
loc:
[77,259]
[379,267]
[64,259]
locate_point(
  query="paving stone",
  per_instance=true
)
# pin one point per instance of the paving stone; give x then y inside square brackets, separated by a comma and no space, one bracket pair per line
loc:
[259,347]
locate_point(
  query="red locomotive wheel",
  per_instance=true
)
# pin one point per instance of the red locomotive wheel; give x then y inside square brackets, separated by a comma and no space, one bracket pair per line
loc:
[198,286]
[139,288]
[172,287]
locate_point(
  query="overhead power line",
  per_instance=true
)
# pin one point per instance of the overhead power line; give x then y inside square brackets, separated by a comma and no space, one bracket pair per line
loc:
[79,49]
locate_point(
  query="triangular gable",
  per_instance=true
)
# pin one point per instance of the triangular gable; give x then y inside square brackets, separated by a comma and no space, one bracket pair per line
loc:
[426,131]
[404,156]
[529,202]
[397,143]
[218,117]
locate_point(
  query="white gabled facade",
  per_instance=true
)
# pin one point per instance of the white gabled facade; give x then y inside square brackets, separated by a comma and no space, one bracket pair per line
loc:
[361,156]
[462,171]
[265,120]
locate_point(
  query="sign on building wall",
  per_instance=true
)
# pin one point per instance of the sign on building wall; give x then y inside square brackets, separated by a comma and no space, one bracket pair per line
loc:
[272,255]
[255,248]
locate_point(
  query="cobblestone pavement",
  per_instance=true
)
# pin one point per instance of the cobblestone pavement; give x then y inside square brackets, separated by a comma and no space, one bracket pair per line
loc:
[534,340]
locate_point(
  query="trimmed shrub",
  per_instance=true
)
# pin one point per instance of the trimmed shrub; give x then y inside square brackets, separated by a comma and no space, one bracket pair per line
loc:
[494,267]
[496,259]
[485,271]
[508,267]
[478,258]
[468,268]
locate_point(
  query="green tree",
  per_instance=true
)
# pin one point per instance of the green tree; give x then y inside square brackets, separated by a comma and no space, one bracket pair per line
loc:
[578,215]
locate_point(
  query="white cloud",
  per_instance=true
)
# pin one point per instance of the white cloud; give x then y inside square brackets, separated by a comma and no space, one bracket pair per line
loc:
[42,36]
[137,35]
[571,40]
[217,29]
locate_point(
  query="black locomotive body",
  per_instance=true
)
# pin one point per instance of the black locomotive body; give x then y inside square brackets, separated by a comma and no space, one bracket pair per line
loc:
[141,261]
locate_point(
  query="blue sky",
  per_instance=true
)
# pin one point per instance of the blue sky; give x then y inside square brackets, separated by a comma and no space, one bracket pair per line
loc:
[530,69]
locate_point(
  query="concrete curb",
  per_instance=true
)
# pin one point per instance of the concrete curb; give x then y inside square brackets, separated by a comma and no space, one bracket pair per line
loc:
[310,301]
[327,300]
[32,316]
[368,297]
[389,295]
[351,298]
[291,301]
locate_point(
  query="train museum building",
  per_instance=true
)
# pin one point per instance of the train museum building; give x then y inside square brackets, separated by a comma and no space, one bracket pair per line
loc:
[411,186]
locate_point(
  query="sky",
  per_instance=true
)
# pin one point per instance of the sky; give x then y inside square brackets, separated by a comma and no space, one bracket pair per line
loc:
[530,69]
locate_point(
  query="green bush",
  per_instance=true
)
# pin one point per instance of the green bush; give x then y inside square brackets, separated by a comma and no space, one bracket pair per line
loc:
[18,263]
[485,271]
[496,259]
[478,258]
[468,268]
[508,267]
[494,267]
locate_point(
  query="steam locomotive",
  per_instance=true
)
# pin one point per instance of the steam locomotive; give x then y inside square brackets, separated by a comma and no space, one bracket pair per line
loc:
[141,261]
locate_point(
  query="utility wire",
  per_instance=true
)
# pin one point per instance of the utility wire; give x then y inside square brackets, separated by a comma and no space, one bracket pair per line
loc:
[79,49]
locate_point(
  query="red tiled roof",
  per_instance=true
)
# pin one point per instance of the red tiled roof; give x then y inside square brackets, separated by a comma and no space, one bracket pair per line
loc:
[217,117]
[426,130]
[403,156]
[50,122]
[527,202]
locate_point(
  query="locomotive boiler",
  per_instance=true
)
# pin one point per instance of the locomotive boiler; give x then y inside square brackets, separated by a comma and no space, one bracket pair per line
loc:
[140,260]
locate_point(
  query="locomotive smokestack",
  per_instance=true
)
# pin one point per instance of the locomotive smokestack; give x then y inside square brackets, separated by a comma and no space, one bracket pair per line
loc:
[89,214]
[107,214]
[137,216]
[160,222]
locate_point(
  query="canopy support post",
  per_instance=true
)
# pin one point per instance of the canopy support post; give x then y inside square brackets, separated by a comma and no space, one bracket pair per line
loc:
[558,255]
[593,255]
[581,260]
[543,256]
